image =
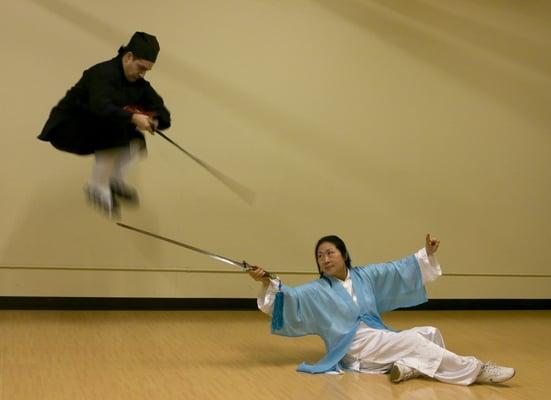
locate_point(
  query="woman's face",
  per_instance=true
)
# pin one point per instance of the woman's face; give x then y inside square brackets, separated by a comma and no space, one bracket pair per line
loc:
[331,261]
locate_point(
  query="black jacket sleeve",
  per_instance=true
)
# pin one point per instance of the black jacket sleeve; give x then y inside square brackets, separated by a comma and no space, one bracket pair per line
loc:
[151,101]
[105,96]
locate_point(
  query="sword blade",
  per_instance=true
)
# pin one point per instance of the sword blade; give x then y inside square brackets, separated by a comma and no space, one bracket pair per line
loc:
[187,246]
[243,192]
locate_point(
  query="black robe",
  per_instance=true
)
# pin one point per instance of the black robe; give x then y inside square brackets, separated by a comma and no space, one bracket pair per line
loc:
[91,116]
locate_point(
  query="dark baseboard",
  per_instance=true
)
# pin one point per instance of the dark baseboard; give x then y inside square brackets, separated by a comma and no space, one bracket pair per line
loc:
[124,303]
[485,304]
[140,303]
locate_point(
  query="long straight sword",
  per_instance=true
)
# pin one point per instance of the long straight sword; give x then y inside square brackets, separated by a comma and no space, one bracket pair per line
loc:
[244,193]
[243,265]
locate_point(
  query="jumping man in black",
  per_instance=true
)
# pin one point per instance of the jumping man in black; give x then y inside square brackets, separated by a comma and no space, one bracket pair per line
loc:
[105,113]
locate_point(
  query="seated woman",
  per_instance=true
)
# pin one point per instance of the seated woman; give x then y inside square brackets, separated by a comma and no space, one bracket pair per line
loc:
[343,307]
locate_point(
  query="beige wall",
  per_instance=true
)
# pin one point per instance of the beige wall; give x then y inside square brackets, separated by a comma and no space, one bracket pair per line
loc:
[375,120]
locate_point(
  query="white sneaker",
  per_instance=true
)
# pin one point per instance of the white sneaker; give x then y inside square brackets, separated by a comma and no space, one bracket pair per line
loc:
[491,373]
[399,373]
[103,200]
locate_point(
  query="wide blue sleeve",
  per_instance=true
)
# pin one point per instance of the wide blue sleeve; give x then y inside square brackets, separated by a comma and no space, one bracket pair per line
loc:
[300,312]
[394,284]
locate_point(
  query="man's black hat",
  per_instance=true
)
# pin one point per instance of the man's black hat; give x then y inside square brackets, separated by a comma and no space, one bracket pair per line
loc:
[143,45]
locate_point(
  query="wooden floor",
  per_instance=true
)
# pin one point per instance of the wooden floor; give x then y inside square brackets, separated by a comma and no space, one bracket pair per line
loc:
[153,355]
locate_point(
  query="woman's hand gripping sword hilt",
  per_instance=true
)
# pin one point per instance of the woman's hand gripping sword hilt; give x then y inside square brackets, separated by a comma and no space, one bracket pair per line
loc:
[249,267]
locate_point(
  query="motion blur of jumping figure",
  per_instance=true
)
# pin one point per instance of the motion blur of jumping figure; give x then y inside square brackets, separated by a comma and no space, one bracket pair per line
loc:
[105,113]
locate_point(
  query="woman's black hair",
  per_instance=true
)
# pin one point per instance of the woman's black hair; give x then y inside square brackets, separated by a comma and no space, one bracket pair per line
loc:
[339,244]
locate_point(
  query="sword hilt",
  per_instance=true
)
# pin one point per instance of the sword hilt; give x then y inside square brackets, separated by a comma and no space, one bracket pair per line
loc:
[249,267]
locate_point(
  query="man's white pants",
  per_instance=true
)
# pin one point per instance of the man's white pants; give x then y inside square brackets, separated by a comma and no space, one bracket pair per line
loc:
[112,165]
